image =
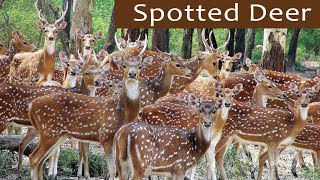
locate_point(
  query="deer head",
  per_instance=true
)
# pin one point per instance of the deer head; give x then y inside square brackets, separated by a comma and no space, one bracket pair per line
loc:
[88,40]
[266,87]
[20,44]
[71,68]
[92,76]
[51,30]
[3,50]
[174,66]
[252,67]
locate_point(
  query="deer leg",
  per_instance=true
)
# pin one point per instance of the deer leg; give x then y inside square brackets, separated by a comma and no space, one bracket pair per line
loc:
[300,158]
[222,148]
[294,165]
[85,154]
[211,162]
[31,134]
[247,151]
[315,158]
[38,155]
[272,157]
[178,176]
[109,154]
[262,158]
[53,163]
[80,150]
[193,172]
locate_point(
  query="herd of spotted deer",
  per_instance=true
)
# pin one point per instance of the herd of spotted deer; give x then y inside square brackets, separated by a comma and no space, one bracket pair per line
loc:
[151,111]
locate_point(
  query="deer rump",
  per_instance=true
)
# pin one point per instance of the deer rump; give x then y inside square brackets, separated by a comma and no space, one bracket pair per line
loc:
[155,148]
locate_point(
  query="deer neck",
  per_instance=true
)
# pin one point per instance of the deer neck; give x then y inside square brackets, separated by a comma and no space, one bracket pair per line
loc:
[259,98]
[49,54]
[130,99]
[195,64]
[69,82]
[202,139]
[164,81]
[87,89]
[221,117]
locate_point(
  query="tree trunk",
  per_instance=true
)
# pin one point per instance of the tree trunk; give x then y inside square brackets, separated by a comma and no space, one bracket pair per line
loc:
[11,143]
[250,43]
[274,44]
[82,18]
[67,18]
[160,40]
[110,43]
[293,48]
[230,45]
[240,46]
[187,43]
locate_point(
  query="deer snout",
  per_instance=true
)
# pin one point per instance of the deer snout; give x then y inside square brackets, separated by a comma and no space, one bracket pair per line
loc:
[87,47]
[50,38]
[73,73]
[304,105]
[283,96]
[207,123]
[228,69]
[227,105]
[132,74]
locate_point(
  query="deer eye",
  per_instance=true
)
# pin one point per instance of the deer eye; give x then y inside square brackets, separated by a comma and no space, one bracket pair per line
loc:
[124,66]
[140,67]
[25,42]
[269,86]
[178,65]
[93,40]
[87,74]
[232,95]
[46,31]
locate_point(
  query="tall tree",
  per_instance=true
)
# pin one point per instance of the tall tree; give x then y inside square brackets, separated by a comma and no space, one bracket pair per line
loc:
[240,46]
[187,43]
[67,17]
[160,40]
[230,45]
[293,48]
[274,44]
[82,18]
[250,43]
[207,32]
[110,43]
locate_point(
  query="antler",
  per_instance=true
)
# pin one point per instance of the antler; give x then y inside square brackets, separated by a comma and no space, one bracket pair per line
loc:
[145,45]
[204,40]
[210,40]
[118,44]
[39,13]
[63,14]
[224,45]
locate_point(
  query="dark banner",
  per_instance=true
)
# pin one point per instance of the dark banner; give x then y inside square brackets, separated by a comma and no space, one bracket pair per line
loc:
[217,13]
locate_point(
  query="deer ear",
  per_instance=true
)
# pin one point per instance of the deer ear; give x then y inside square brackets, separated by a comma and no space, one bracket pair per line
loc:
[316,80]
[218,54]
[237,56]
[15,34]
[248,62]
[293,86]
[315,88]
[200,54]
[99,35]
[63,58]
[79,33]
[258,76]
[62,25]
[146,62]
[237,88]
[41,25]
[226,53]
[122,42]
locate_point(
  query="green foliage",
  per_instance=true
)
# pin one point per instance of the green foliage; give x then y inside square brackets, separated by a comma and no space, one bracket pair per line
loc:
[68,162]
[97,165]
[6,161]
[311,173]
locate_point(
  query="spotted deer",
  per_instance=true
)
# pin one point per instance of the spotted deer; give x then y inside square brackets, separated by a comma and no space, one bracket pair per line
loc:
[270,127]
[145,149]
[105,114]
[90,81]
[87,44]
[227,64]
[20,44]
[4,50]
[40,63]
[207,61]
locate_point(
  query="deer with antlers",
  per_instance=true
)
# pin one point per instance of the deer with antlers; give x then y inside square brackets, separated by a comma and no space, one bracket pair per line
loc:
[106,115]
[270,127]
[40,63]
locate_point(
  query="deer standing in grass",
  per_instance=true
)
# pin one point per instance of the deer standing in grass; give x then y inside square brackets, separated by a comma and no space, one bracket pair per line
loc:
[88,119]
[40,63]
[270,127]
